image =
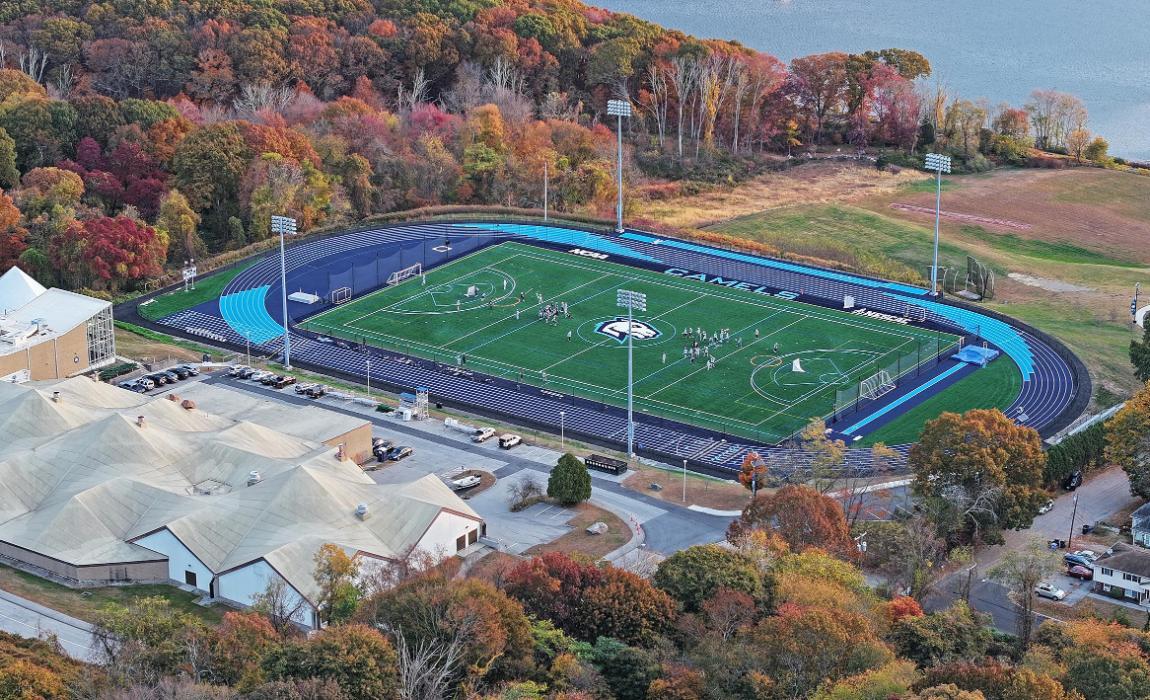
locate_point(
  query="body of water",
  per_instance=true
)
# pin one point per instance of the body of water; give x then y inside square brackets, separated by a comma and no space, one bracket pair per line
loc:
[997,49]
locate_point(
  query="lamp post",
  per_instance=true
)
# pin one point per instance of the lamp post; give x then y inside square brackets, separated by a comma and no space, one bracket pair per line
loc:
[546,177]
[619,109]
[562,431]
[632,301]
[939,164]
[684,481]
[284,225]
[369,378]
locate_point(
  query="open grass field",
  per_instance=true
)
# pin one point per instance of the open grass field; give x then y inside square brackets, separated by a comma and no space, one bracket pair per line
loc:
[485,312]
[1069,269]
[177,300]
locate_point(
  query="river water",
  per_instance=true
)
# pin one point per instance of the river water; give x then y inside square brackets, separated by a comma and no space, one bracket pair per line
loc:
[997,49]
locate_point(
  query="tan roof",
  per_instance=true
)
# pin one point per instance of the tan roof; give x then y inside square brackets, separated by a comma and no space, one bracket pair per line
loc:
[82,479]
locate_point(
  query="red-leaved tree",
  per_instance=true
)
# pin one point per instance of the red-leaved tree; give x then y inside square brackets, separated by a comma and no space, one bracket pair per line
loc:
[108,253]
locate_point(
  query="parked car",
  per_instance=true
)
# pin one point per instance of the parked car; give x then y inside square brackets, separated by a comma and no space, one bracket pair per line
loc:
[172,376]
[246,372]
[133,386]
[160,378]
[234,370]
[399,452]
[192,370]
[380,447]
[281,382]
[1073,481]
[482,434]
[1046,507]
[1049,590]
[260,376]
[1078,560]
[271,379]
[1082,572]
[1088,553]
[147,383]
[509,440]
[464,483]
[316,391]
[303,388]
[180,372]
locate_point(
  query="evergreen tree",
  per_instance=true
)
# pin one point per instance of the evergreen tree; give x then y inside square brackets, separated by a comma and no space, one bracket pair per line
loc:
[1140,356]
[569,482]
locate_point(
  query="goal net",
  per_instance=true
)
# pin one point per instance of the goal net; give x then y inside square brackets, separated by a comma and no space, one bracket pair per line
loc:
[339,296]
[876,385]
[405,274]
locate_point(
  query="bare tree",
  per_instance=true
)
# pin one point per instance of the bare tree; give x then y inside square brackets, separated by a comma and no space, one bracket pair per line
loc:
[681,76]
[1021,571]
[556,105]
[261,97]
[427,668]
[660,102]
[467,91]
[280,604]
[420,85]
[62,86]
[33,61]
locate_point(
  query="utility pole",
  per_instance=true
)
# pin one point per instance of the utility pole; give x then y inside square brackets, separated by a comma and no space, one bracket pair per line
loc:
[1073,515]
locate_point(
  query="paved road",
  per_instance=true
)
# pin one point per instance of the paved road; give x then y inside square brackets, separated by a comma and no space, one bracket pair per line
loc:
[1102,496]
[668,527]
[28,619]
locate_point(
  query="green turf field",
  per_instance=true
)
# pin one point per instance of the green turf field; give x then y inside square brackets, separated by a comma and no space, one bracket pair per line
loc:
[483,311]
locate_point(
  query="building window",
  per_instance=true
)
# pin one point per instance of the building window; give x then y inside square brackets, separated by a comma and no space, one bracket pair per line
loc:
[190,578]
[1132,577]
[1107,572]
[1133,595]
[101,337]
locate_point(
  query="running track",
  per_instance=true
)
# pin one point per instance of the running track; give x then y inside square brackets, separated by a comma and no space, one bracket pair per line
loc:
[1052,393]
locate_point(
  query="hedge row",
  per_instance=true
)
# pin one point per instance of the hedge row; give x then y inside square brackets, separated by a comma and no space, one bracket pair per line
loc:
[1082,450]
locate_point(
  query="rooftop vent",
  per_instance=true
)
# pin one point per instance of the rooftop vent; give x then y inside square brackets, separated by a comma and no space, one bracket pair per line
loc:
[56,396]
[254,478]
[361,511]
[140,421]
[173,397]
[187,404]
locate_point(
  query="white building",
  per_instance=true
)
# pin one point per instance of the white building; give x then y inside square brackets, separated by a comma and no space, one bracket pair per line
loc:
[1124,574]
[100,485]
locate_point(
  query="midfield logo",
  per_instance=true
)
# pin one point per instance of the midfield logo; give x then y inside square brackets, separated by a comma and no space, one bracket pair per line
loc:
[617,328]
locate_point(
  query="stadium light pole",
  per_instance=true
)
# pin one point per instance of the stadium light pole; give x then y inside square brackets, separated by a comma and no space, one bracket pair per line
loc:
[939,164]
[632,301]
[546,176]
[619,109]
[284,225]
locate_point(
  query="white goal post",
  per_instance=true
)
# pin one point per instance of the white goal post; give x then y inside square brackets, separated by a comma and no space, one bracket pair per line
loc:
[876,385]
[405,274]
[339,296]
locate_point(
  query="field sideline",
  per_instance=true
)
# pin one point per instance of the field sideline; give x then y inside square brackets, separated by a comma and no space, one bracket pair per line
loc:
[752,389]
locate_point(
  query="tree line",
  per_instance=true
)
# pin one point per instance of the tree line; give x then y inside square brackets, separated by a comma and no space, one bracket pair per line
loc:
[138,135]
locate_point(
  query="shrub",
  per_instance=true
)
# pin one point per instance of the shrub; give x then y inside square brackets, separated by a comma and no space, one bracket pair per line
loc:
[569,482]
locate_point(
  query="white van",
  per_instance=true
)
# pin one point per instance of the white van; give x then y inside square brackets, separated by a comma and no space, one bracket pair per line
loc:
[482,434]
[509,440]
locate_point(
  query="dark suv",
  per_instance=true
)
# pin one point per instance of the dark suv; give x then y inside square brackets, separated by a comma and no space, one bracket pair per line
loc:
[1073,481]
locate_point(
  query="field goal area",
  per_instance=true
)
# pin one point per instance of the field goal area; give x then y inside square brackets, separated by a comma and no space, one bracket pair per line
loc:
[406,273]
[735,361]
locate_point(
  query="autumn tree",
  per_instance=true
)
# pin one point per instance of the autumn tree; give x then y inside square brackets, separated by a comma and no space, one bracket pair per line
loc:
[569,482]
[13,236]
[1128,441]
[820,87]
[240,644]
[753,471]
[1140,356]
[109,253]
[978,473]
[955,634]
[9,174]
[588,602]
[180,222]
[335,574]
[802,516]
[450,632]
[692,576]
[360,659]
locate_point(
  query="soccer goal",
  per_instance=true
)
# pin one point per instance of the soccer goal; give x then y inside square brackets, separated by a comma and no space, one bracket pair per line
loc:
[339,296]
[405,274]
[876,385]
